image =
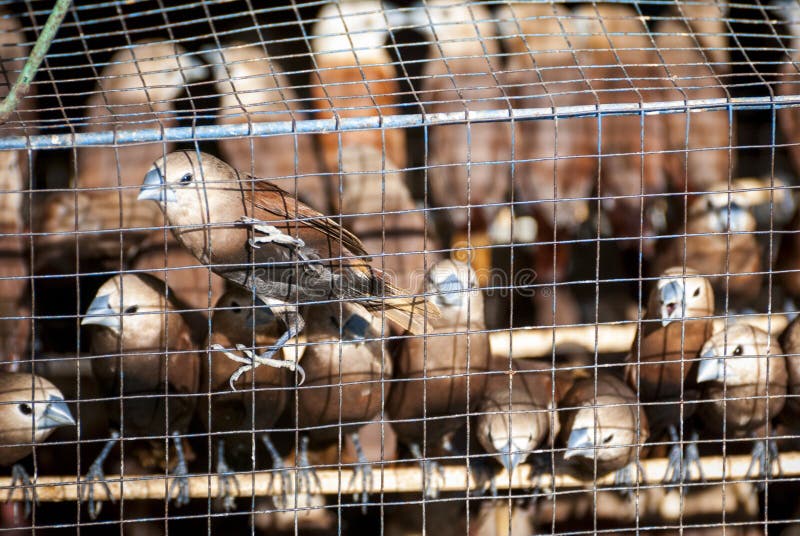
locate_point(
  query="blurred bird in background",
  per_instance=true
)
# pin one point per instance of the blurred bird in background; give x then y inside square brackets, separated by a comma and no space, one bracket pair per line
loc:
[144,341]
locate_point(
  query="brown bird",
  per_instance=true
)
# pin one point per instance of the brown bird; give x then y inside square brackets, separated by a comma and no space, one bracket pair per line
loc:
[744,378]
[258,236]
[517,413]
[617,59]
[662,364]
[145,345]
[717,239]
[603,427]
[354,76]
[701,157]
[469,163]
[347,370]
[384,215]
[252,89]
[240,323]
[557,166]
[443,372]
[30,409]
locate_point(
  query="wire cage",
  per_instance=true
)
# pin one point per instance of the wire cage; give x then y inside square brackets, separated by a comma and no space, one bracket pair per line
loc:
[438,266]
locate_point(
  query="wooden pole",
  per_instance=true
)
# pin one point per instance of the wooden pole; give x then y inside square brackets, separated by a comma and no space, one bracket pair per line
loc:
[393,479]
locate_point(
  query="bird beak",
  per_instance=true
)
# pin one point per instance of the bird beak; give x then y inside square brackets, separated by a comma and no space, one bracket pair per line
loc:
[510,456]
[671,302]
[580,444]
[100,313]
[739,218]
[154,188]
[55,415]
[356,328]
[450,290]
[711,368]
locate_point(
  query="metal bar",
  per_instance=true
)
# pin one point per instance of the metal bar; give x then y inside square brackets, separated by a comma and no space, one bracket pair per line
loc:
[321,126]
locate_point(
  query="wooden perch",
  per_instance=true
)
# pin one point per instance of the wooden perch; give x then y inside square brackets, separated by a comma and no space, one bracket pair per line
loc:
[610,338]
[395,479]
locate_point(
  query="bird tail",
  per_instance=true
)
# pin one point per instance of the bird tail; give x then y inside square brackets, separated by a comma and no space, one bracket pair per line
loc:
[402,307]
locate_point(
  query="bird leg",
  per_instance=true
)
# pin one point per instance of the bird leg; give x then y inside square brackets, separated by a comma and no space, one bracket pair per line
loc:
[95,476]
[305,472]
[679,465]
[226,481]
[626,478]
[19,476]
[484,473]
[429,467]
[363,469]
[287,485]
[763,458]
[253,361]
[180,482]
[271,235]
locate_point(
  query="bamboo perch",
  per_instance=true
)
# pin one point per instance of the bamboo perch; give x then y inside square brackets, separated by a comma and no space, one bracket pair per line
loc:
[396,479]
[610,338]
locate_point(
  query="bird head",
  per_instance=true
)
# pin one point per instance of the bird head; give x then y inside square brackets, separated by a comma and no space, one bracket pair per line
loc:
[452,23]
[738,356]
[603,433]
[510,437]
[721,212]
[450,282]
[130,298]
[678,296]
[32,401]
[238,308]
[357,28]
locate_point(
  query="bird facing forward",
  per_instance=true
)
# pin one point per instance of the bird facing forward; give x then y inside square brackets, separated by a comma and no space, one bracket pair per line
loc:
[259,237]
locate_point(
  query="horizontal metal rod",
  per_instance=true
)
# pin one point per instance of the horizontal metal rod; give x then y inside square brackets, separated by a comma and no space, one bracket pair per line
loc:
[321,126]
[393,479]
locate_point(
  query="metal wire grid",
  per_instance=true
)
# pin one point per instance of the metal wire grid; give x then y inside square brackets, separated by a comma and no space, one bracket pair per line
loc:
[62,121]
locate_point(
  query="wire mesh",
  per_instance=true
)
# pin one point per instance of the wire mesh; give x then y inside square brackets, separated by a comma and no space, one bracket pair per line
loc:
[486,267]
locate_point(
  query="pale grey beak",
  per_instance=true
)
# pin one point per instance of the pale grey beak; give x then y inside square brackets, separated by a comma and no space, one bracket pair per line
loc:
[55,415]
[450,290]
[356,328]
[100,313]
[671,302]
[710,369]
[155,189]
[739,218]
[580,444]
[510,457]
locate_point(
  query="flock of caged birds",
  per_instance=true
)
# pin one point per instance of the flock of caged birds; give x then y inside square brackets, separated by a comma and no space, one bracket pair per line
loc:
[291,271]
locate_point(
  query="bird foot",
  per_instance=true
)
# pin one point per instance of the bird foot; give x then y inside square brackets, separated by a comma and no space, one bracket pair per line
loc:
[306,474]
[226,480]
[180,475]
[764,458]
[433,474]
[253,361]
[626,479]
[679,462]
[272,235]
[279,469]
[485,477]
[96,477]
[362,470]
[19,476]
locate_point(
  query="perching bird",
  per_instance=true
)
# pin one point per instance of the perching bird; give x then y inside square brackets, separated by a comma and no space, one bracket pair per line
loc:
[259,237]
[443,371]
[662,364]
[700,156]
[347,369]
[383,215]
[468,164]
[145,352]
[30,409]
[517,414]
[744,378]
[603,428]
[354,76]
[618,61]
[717,239]
[254,89]
[238,324]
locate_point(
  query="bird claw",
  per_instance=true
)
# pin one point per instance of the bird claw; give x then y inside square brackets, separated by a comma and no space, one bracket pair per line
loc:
[484,474]
[429,468]
[764,458]
[20,476]
[625,480]
[180,476]
[94,477]
[272,235]
[278,467]
[226,480]
[679,464]
[305,472]
[253,361]
[364,470]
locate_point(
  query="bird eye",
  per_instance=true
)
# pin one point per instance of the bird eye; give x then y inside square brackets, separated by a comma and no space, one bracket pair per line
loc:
[131,310]
[236,307]
[607,439]
[737,350]
[186,179]
[696,292]
[25,409]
